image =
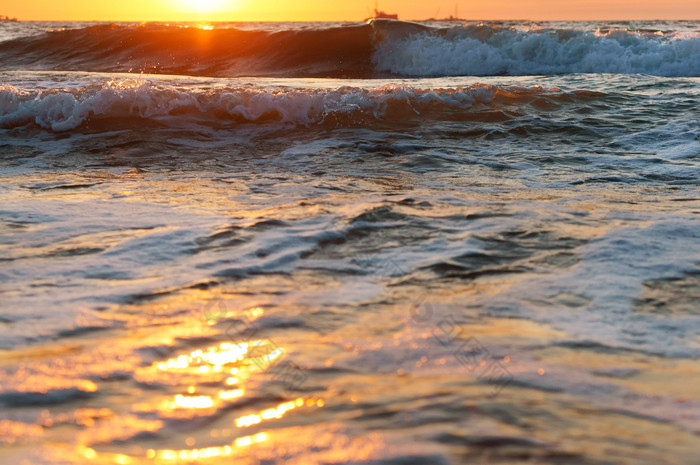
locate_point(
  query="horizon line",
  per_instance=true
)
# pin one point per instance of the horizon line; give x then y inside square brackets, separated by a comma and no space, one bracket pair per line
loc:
[334,20]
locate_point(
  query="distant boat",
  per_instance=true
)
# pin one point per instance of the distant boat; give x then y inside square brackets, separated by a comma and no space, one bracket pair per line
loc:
[7,18]
[445,20]
[378,14]
[450,18]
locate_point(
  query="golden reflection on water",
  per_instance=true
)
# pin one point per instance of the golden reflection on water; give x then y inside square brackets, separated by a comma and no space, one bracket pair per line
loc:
[206,452]
[240,442]
[212,360]
[196,382]
[197,402]
[277,412]
[191,402]
[214,364]
[196,374]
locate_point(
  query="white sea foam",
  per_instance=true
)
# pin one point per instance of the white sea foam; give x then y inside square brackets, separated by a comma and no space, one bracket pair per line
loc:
[67,109]
[486,51]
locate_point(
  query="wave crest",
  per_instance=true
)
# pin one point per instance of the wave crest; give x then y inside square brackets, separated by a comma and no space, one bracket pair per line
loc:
[381,48]
[67,109]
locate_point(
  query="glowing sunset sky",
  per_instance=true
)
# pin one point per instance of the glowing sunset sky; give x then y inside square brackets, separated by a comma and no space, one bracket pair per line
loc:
[320,10]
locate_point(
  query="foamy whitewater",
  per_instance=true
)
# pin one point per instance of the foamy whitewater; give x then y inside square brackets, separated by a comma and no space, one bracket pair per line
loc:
[332,243]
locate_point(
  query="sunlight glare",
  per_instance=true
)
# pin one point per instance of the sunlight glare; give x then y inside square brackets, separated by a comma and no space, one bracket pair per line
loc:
[204,6]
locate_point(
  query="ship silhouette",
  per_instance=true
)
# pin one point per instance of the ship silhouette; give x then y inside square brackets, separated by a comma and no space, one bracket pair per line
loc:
[450,18]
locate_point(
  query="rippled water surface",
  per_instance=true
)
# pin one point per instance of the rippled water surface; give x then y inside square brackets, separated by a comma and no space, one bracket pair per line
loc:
[405,270]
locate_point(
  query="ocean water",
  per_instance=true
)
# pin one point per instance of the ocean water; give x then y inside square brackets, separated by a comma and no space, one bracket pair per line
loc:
[386,243]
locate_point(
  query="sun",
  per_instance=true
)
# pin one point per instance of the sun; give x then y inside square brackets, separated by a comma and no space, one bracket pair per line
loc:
[203,6]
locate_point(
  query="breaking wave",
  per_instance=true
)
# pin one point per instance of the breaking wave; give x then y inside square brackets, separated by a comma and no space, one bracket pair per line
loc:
[490,50]
[378,49]
[67,109]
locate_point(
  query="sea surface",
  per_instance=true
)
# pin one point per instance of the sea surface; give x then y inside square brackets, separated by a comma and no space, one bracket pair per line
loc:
[344,243]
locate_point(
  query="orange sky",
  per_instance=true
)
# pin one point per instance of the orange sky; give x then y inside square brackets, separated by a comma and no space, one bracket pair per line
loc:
[319,10]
